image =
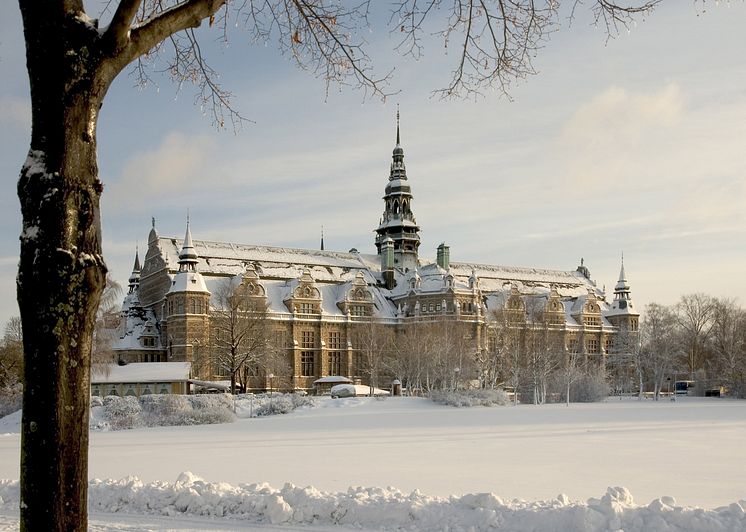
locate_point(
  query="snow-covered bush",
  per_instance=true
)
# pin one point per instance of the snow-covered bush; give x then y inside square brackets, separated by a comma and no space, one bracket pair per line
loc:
[206,402]
[122,412]
[163,410]
[11,399]
[465,398]
[96,401]
[590,388]
[280,403]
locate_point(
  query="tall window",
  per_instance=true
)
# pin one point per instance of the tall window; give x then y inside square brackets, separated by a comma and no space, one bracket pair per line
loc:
[306,363]
[592,345]
[335,341]
[335,356]
[308,342]
[335,363]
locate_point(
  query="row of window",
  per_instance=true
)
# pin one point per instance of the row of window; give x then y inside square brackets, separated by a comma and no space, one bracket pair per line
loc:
[193,306]
[335,358]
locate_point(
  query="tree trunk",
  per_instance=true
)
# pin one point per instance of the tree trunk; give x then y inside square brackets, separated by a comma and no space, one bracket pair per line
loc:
[61,272]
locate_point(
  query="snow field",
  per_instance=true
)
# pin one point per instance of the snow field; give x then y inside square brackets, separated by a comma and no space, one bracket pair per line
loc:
[454,468]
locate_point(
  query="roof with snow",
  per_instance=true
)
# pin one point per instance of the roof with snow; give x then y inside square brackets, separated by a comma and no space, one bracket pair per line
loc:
[143,372]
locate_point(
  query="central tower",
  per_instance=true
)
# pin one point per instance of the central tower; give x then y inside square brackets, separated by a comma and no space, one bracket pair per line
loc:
[398,222]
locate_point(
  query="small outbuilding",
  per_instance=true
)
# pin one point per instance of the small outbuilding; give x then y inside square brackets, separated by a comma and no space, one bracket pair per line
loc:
[142,378]
[324,385]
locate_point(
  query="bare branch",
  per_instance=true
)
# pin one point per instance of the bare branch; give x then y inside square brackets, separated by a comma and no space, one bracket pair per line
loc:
[118,31]
[146,35]
[317,35]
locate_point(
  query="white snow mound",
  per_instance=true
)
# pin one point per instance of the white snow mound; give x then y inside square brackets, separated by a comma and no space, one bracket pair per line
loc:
[391,509]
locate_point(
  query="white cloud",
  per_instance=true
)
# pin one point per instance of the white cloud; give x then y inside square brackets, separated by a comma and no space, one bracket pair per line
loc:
[177,165]
[604,139]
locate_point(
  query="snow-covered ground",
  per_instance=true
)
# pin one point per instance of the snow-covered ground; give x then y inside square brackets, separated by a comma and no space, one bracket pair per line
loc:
[516,460]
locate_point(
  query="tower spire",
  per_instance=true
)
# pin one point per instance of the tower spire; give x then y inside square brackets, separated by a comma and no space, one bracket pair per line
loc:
[398,222]
[322,238]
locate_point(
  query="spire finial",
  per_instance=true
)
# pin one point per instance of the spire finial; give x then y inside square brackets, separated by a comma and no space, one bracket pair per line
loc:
[322,238]
[152,221]
[397,125]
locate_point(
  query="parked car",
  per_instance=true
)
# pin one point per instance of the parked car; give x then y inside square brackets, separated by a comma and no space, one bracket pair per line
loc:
[343,390]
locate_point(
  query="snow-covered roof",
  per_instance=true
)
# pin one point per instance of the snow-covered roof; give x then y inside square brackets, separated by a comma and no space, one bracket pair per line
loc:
[227,258]
[187,281]
[138,322]
[332,379]
[144,372]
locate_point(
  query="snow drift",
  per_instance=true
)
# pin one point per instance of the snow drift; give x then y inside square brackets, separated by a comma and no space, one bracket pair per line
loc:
[391,509]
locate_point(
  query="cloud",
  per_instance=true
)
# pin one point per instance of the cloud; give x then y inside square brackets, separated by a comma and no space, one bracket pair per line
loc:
[177,165]
[607,138]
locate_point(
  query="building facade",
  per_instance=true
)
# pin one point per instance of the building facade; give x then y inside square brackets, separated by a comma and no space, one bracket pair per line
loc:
[326,312]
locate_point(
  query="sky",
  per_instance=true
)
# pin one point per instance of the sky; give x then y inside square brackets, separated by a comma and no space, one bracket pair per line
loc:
[630,145]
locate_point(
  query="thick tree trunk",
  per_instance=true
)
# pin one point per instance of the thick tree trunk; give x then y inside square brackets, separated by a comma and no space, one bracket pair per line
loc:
[61,272]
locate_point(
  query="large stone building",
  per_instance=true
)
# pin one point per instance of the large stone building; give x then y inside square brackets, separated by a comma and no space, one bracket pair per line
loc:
[319,303]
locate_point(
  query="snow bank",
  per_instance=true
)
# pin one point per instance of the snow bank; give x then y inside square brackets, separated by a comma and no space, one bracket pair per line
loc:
[391,509]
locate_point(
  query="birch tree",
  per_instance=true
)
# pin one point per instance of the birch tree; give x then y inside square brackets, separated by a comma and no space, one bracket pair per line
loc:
[72,60]
[660,344]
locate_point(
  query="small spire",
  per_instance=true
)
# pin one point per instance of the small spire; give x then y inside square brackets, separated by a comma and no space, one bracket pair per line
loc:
[188,256]
[134,280]
[398,142]
[152,221]
[322,238]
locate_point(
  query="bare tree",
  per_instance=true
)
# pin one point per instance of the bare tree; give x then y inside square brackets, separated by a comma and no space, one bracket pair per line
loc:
[372,343]
[410,356]
[240,331]
[694,314]
[71,63]
[729,344]
[510,327]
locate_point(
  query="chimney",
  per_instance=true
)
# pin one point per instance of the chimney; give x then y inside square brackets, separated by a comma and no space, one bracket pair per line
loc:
[444,256]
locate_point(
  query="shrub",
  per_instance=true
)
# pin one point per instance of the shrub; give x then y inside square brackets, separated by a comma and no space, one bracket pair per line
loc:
[122,412]
[165,410]
[467,398]
[280,403]
[590,388]
[11,399]
[203,401]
